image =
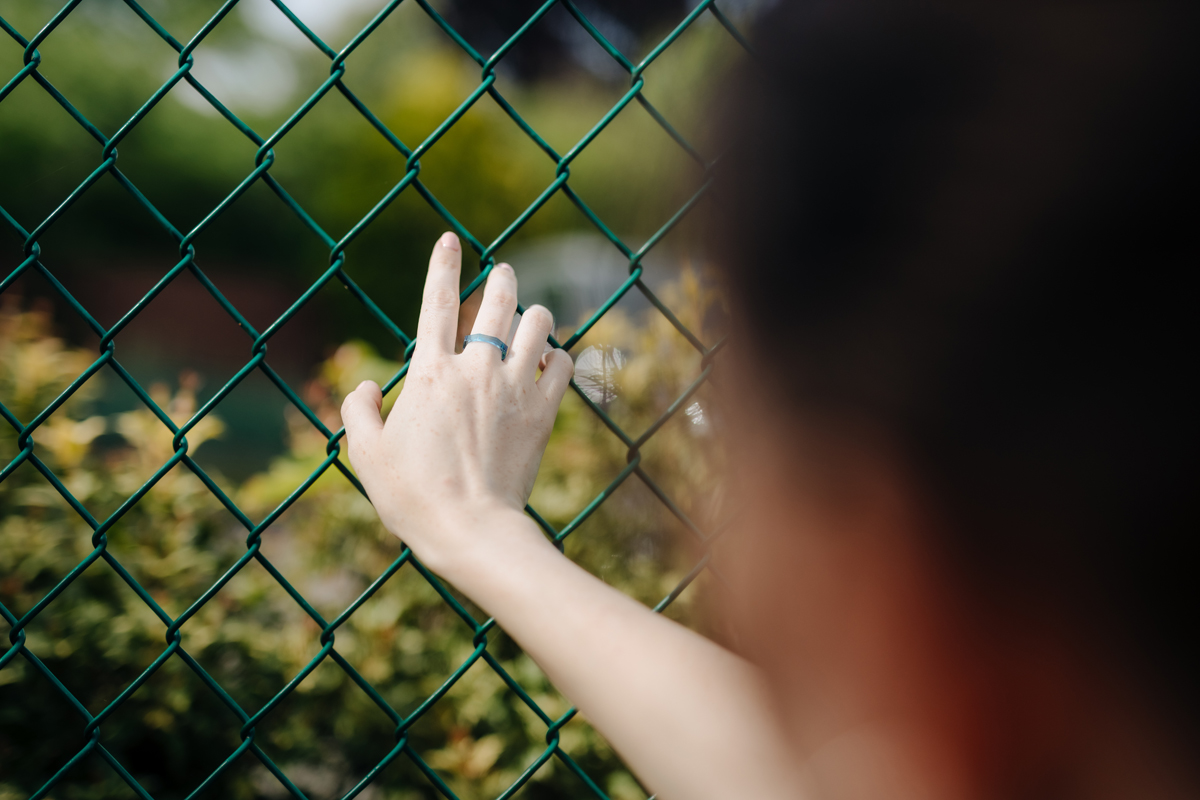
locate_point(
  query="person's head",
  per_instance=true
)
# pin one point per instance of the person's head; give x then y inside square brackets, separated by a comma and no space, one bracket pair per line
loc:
[957,239]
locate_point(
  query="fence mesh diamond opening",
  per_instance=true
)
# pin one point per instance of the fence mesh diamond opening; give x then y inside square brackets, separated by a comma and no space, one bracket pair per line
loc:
[184,624]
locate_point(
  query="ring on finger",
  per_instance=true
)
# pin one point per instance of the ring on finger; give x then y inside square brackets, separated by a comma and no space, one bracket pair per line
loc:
[492,340]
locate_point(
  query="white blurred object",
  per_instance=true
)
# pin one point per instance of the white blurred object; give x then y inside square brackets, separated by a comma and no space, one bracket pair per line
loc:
[224,73]
[574,274]
[329,19]
[596,372]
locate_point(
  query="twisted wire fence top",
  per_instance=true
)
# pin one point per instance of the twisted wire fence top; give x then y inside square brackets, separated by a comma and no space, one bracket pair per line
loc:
[31,261]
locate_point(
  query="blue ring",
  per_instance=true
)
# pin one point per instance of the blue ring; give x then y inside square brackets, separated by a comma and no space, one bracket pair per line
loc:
[492,340]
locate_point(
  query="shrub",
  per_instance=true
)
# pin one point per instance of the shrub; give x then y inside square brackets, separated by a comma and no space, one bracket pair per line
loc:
[252,637]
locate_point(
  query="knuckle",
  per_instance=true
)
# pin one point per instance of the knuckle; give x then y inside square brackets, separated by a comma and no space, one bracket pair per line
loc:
[504,296]
[428,368]
[441,299]
[540,316]
[479,366]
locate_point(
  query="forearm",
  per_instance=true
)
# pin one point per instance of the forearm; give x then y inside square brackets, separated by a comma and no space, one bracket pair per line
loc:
[687,715]
[448,473]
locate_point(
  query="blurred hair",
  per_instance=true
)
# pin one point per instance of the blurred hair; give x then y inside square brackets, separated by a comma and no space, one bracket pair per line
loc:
[971,225]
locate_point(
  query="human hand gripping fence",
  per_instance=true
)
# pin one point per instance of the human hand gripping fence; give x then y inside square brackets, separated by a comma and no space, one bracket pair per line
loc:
[35,261]
[465,438]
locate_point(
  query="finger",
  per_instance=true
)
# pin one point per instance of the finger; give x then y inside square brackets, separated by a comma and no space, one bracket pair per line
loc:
[360,415]
[499,304]
[439,305]
[529,342]
[556,377]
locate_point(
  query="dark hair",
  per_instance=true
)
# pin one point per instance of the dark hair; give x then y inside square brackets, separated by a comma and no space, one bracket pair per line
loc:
[972,224]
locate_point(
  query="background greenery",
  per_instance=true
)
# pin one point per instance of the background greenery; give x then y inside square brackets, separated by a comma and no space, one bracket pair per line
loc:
[252,637]
[186,159]
[485,170]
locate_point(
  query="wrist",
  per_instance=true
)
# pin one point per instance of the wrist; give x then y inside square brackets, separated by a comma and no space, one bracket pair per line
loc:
[465,542]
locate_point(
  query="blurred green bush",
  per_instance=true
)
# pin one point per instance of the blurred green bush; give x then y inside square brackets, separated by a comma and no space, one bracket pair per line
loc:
[253,638]
[185,159]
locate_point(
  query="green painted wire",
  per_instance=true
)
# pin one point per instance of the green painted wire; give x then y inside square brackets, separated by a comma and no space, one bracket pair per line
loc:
[261,171]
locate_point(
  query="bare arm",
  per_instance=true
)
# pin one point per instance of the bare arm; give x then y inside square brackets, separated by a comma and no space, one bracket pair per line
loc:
[450,472]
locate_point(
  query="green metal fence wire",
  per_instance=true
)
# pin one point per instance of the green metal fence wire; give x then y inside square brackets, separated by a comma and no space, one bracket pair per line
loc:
[264,158]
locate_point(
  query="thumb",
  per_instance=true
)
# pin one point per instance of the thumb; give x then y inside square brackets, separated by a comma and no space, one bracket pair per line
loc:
[556,375]
[360,414]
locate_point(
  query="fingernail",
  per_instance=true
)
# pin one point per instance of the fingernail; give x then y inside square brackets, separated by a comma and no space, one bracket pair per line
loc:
[504,266]
[449,241]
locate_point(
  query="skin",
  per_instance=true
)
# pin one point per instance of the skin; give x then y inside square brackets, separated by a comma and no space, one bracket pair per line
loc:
[450,472]
[869,667]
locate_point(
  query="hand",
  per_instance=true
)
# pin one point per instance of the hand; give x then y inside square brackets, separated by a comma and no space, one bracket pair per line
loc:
[462,444]
[449,473]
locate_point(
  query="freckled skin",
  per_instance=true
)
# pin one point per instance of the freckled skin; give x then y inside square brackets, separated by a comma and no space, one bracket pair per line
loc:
[450,472]
[437,454]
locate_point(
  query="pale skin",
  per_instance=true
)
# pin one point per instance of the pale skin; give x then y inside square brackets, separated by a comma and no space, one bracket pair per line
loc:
[450,472]
[869,666]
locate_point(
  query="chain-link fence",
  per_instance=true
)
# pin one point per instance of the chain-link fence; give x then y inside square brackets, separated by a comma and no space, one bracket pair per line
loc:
[33,261]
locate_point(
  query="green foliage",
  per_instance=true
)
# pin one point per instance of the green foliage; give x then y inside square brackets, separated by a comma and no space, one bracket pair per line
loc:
[485,170]
[252,637]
